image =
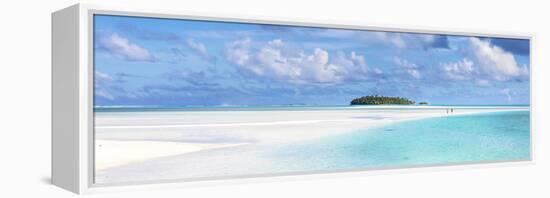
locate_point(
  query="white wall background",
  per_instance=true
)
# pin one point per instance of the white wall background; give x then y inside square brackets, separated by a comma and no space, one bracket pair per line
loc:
[25,96]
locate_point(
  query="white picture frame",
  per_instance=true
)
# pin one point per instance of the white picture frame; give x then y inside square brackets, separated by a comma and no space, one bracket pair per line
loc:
[72,95]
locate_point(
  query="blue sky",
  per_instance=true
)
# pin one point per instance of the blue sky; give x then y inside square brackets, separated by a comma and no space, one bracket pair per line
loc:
[167,62]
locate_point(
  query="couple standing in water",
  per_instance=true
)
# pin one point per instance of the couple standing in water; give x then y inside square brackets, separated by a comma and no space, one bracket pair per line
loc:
[451,110]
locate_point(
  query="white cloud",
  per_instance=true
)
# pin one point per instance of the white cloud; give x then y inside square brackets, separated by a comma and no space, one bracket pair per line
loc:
[484,63]
[104,94]
[199,47]
[395,39]
[353,66]
[460,70]
[201,50]
[120,46]
[409,68]
[315,67]
[101,77]
[277,60]
[494,61]
[238,51]
[101,83]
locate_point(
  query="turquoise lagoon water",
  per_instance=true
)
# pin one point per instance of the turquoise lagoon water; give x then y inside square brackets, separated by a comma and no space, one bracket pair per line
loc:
[474,138]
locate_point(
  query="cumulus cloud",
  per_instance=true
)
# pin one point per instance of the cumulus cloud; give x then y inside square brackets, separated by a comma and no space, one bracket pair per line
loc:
[493,60]
[121,47]
[237,52]
[352,67]
[277,60]
[409,68]
[483,63]
[201,50]
[459,70]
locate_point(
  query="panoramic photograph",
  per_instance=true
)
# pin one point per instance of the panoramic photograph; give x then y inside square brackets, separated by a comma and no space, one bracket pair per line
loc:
[178,99]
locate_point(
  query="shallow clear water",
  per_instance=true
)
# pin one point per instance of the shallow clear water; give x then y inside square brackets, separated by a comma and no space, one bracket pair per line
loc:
[484,137]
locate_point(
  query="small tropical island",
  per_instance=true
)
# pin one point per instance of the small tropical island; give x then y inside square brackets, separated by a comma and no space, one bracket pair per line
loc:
[381,100]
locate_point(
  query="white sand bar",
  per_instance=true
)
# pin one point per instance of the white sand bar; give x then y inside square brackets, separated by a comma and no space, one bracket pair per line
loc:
[111,153]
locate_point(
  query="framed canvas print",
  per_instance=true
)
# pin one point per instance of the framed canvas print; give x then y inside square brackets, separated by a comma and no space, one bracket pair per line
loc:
[159,97]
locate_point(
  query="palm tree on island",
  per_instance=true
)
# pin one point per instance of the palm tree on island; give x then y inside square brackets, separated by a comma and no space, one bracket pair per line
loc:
[381,100]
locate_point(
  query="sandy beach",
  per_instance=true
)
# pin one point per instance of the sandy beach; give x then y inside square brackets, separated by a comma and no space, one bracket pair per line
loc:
[142,146]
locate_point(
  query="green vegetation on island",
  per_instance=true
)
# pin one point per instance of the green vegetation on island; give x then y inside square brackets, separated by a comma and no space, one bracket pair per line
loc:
[380,100]
[423,103]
